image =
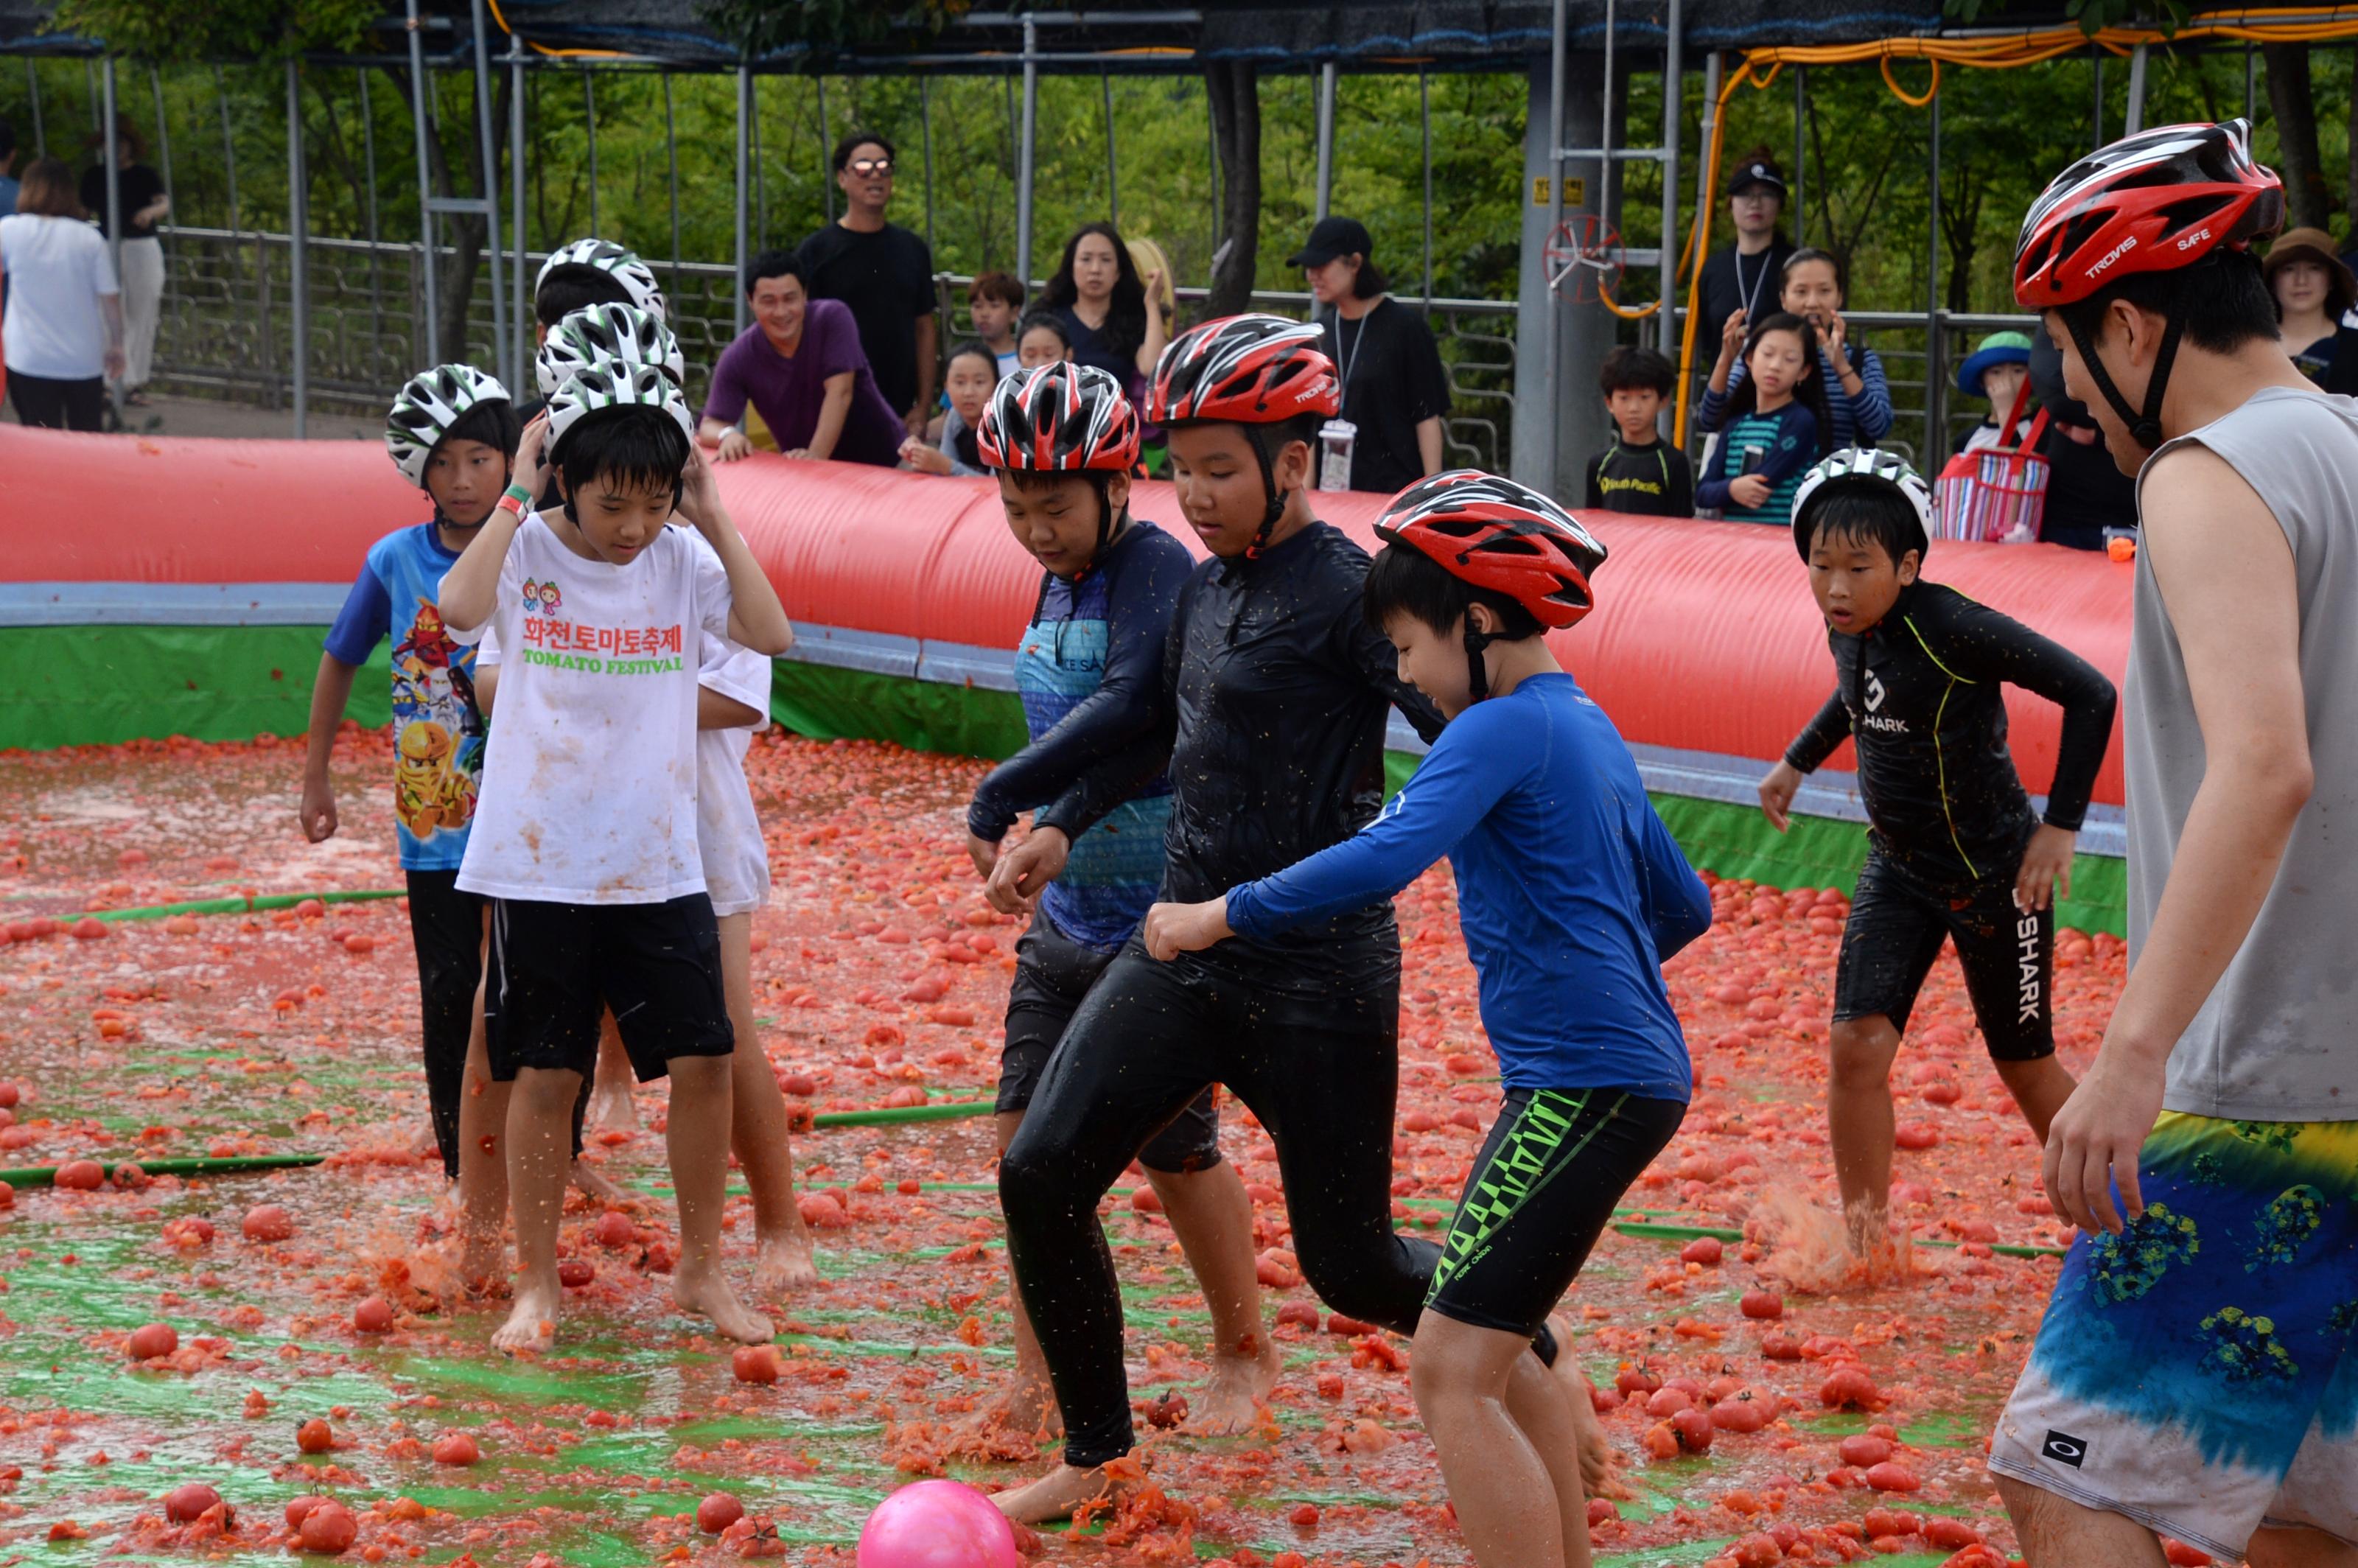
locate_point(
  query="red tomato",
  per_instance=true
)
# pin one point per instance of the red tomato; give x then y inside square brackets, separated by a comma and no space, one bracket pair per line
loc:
[153,1340]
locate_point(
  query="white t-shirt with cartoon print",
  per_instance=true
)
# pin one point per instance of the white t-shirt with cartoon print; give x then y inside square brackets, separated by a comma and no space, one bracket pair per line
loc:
[590,782]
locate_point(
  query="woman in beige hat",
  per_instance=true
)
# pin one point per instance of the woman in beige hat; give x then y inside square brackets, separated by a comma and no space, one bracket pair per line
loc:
[2313,288]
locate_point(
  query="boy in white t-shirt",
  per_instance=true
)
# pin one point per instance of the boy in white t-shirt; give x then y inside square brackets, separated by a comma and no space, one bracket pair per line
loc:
[585,832]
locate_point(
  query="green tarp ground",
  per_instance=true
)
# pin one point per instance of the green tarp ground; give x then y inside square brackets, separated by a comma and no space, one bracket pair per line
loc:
[105,684]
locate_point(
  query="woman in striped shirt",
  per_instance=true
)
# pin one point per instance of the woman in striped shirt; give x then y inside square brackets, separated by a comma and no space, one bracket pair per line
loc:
[1776,421]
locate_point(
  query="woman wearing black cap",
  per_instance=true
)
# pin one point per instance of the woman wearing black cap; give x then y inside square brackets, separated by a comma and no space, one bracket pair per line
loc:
[1394,390]
[1744,275]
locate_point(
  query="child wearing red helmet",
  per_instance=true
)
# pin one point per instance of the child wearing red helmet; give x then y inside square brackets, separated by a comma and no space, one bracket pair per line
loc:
[1571,893]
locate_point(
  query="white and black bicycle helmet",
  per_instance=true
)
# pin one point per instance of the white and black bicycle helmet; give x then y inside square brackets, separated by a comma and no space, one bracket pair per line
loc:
[607,334]
[1862,466]
[623,265]
[426,407]
[603,386]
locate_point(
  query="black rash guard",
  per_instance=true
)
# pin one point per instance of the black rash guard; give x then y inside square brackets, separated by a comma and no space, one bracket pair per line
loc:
[1271,721]
[1919,692]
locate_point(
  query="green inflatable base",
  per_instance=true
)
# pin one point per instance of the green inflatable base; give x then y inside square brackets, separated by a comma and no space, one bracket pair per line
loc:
[102,685]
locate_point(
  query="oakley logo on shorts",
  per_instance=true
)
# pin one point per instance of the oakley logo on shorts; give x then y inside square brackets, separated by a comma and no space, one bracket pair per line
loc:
[2063,1447]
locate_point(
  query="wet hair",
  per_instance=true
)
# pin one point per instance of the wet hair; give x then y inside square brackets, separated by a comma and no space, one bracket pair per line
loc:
[575,287]
[1002,286]
[851,142]
[773,263]
[1405,580]
[1125,322]
[49,190]
[978,348]
[1628,369]
[1035,321]
[631,447]
[1809,392]
[494,423]
[2224,300]
[1866,514]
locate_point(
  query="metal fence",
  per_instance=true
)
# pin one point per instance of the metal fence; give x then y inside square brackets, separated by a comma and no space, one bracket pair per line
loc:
[224,327]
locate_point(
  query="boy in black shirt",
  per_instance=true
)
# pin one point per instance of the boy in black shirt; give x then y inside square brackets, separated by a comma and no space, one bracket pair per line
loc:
[1639,472]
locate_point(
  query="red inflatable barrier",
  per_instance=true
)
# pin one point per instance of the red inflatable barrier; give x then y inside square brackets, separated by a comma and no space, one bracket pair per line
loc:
[1704,639]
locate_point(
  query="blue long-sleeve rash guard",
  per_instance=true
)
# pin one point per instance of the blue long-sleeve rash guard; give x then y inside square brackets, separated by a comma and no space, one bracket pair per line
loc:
[1570,889]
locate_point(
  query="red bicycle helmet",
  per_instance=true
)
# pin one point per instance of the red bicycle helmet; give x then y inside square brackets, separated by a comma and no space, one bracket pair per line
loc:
[1059,419]
[2160,201]
[1251,371]
[1497,535]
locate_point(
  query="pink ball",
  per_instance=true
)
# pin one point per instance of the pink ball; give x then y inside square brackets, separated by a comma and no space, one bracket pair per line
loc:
[937,1524]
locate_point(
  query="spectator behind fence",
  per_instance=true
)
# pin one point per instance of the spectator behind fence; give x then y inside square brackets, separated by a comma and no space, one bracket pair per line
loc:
[1776,426]
[1744,275]
[968,376]
[884,273]
[2313,288]
[1639,472]
[1996,371]
[1394,389]
[994,301]
[7,168]
[140,191]
[2086,491]
[64,323]
[1102,299]
[1042,338]
[1858,399]
[801,367]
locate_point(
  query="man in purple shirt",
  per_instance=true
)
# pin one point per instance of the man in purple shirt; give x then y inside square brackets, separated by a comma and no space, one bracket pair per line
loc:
[801,367]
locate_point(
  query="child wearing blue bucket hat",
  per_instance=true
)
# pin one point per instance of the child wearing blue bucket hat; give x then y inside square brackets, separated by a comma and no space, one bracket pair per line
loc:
[1996,371]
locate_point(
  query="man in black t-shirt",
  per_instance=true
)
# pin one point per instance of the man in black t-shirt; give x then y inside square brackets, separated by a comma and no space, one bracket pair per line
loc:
[1747,276]
[884,273]
[1394,387]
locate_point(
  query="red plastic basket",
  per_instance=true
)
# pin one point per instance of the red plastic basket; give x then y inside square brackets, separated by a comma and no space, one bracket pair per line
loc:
[1996,495]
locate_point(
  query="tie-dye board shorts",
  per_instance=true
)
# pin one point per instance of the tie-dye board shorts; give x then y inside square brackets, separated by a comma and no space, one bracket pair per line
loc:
[2192,1373]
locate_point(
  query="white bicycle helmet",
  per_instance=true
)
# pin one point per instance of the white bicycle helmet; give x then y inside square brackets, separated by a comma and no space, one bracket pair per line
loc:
[623,265]
[603,386]
[1862,466]
[426,407]
[607,334]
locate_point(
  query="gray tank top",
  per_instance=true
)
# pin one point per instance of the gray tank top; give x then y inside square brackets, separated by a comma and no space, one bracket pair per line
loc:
[2277,1041]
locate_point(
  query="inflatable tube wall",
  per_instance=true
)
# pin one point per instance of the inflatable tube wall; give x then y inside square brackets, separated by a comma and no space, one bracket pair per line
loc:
[160,585]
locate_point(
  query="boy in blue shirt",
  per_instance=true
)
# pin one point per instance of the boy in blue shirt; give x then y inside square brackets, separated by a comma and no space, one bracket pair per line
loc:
[1570,893]
[452,432]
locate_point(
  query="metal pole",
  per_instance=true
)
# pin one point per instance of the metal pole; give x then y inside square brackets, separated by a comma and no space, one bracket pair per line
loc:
[527,317]
[297,220]
[1603,207]
[1550,328]
[269,353]
[1113,167]
[671,157]
[1424,117]
[1325,136]
[1673,127]
[430,347]
[1023,152]
[2136,121]
[112,144]
[368,164]
[2251,85]
[925,119]
[1801,155]
[1935,409]
[590,120]
[736,280]
[509,360]
[33,91]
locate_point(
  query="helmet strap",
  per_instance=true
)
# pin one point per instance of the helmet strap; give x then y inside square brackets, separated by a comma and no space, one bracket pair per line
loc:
[2145,428]
[1477,671]
[1276,497]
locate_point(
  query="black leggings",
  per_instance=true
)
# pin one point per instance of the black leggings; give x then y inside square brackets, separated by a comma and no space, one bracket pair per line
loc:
[1317,1062]
[446,926]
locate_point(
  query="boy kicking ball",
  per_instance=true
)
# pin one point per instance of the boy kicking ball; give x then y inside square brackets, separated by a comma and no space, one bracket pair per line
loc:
[1954,849]
[586,831]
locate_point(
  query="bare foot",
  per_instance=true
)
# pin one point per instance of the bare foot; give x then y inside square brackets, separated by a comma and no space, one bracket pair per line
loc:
[532,1325]
[425,1143]
[1598,1458]
[611,1107]
[1025,1415]
[1055,1495]
[1241,1382]
[482,1261]
[1869,1226]
[782,1263]
[594,1185]
[707,1294]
